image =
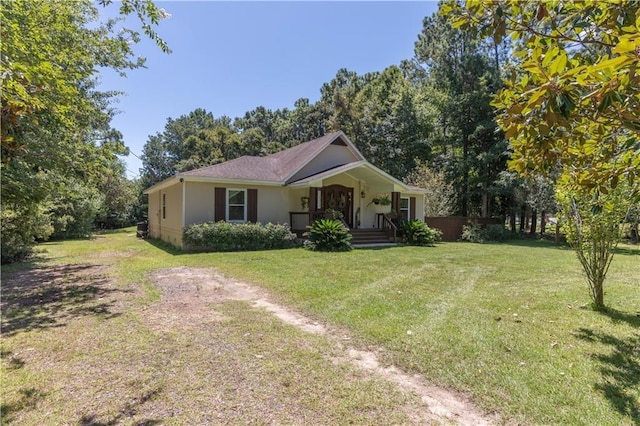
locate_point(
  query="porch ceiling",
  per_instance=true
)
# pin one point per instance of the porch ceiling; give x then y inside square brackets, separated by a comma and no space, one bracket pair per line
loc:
[361,170]
[370,176]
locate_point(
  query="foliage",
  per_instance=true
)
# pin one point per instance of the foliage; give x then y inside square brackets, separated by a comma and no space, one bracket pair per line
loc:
[390,133]
[417,233]
[440,196]
[464,71]
[495,232]
[334,214]
[73,210]
[473,232]
[57,142]
[476,233]
[592,227]
[328,235]
[575,102]
[20,231]
[224,236]
[382,200]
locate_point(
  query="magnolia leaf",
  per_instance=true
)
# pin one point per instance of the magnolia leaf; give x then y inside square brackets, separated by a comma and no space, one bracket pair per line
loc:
[625,45]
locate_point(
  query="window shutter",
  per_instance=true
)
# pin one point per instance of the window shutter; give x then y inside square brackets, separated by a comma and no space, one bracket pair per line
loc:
[252,205]
[395,202]
[220,205]
[312,199]
[412,208]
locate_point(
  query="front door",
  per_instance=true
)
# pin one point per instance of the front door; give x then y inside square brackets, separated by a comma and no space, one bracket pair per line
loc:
[340,198]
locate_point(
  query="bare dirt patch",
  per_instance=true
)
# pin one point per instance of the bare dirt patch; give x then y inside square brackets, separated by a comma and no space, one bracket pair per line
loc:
[189,298]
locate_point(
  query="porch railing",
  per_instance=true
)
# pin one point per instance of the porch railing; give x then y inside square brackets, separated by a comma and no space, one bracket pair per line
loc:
[389,227]
[300,220]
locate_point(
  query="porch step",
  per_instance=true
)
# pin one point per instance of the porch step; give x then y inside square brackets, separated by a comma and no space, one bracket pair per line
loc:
[369,236]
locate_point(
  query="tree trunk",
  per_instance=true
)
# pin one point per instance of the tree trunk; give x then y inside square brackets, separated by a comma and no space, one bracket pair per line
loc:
[523,218]
[465,175]
[598,295]
[512,220]
[543,223]
[534,220]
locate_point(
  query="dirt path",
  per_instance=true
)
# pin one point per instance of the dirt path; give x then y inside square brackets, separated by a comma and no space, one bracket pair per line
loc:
[187,296]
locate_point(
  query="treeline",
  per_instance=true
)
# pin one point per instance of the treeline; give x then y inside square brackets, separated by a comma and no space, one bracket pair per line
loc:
[426,120]
[61,171]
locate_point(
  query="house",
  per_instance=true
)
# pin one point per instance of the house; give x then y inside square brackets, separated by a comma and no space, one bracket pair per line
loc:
[293,186]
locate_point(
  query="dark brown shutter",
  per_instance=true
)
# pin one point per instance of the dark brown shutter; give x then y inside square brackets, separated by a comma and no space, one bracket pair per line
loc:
[395,202]
[252,205]
[220,204]
[412,208]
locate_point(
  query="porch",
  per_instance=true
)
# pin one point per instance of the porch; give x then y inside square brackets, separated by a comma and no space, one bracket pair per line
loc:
[385,232]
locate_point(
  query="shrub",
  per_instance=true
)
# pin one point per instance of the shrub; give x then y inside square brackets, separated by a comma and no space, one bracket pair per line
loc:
[20,230]
[495,232]
[473,232]
[223,236]
[328,235]
[417,233]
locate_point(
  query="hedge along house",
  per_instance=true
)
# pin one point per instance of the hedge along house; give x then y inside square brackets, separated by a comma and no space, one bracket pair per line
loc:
[294,186]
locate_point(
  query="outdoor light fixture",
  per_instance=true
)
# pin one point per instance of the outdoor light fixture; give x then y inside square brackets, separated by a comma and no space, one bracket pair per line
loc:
[362,194]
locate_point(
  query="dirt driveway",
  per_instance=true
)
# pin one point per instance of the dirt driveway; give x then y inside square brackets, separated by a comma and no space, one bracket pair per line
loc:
[189,296]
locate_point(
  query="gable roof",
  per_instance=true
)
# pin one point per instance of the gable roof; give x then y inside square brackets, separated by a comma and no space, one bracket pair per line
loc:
[278,167]
[281,167]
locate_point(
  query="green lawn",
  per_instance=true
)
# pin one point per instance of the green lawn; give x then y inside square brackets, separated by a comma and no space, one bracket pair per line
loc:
[507,324]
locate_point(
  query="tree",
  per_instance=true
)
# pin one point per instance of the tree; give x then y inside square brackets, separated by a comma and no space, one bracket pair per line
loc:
[573,107]
[55,130]
[576,102]
[440,198]
[391,134]
[461,80]
[592,227]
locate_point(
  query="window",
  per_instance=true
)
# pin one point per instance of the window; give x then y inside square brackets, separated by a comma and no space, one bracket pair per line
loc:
[164,206]
[236,205]
[404,208]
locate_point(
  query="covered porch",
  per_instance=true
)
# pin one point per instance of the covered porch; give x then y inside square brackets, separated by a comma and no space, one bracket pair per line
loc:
[350,191]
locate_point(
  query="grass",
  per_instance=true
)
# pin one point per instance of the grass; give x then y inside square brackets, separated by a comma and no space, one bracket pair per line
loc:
[508,324]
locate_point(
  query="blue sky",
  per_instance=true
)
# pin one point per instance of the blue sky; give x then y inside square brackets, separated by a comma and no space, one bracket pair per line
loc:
[230,57]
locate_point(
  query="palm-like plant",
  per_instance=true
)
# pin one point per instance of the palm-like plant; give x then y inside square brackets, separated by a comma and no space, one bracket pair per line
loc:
[328,235]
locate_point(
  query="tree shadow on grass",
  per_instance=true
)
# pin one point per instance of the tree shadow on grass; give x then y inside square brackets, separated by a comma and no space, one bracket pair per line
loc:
[49,297]
[128,410]
[27,400]
[619,368]
[627,250]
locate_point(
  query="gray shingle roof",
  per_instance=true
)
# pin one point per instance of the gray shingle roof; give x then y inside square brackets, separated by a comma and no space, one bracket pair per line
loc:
[272,168]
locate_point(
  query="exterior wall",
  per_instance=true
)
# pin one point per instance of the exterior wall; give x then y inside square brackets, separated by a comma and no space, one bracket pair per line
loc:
[331,156]
[369,214]
[299,221]
[199,202]
[153,214]
[168,229]
[274,203]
